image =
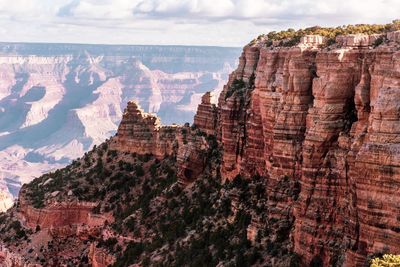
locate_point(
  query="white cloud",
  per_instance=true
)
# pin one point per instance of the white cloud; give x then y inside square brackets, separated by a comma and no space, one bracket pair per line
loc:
[104,9]
[213,22]
[171,8]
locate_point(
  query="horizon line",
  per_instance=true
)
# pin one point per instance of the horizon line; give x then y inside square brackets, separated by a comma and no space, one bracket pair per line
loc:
[104,44]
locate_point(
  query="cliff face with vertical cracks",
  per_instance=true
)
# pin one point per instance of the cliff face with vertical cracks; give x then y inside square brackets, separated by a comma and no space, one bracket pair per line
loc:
[322,125]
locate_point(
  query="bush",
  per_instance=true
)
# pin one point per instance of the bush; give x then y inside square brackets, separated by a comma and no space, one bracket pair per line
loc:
[316,261]
[139,170]
[379,41]
[131,254]
[388,260]
[108,243]
[237,86]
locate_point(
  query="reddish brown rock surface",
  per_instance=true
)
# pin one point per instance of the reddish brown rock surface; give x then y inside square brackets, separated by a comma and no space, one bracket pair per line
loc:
[99,257]
[64,219]
[191,159]
[205,118]
[140,132]
[322,125]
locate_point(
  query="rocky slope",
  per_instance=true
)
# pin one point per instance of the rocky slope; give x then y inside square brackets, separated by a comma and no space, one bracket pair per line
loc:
[57,101]
[297,165]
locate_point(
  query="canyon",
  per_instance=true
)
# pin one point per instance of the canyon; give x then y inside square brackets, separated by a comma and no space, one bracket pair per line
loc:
[297,164]
[59,100]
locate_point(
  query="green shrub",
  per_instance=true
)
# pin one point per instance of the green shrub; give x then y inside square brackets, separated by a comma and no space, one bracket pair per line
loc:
[139,170]
[237,86]
[131,255]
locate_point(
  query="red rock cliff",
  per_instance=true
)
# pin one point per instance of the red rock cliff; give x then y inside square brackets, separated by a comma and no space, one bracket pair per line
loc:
[322,125]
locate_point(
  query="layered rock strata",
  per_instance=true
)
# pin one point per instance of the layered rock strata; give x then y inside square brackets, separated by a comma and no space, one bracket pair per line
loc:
[191,159]
[205,118]
[322,125]
[140,132]
[64,219]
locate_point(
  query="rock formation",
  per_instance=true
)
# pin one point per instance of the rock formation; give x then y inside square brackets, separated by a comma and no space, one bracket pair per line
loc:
[205,118]
[326,120]
[63,218]
[142,133]
[321,125]
[191,159]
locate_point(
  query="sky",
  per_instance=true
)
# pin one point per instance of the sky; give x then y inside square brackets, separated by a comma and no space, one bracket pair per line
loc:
[178,22]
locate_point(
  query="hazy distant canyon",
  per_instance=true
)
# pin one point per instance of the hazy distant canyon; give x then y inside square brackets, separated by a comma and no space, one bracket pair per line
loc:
[57,101]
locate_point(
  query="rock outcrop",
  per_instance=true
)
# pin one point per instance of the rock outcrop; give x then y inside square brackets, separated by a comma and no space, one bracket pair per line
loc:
[191,159]
[206,117]
[140,132]
[357,40]
[322,125]
[99,257]
[58,216]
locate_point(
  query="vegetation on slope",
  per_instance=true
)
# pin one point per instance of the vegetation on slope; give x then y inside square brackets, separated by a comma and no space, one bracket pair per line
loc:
[157,221]
[291,37]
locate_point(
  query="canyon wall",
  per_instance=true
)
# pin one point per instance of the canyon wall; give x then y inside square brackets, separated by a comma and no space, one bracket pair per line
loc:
[322,125]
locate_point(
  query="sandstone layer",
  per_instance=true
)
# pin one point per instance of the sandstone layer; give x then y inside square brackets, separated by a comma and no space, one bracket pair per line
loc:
[322,125]
[205,118]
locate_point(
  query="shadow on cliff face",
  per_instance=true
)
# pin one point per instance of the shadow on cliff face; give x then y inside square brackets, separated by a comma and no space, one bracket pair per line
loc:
[80,86]
[15,109]
[350,116]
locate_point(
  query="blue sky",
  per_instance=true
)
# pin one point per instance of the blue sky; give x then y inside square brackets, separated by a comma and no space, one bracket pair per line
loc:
[183,22]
